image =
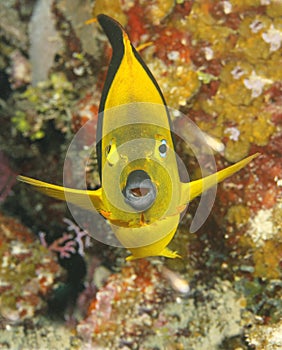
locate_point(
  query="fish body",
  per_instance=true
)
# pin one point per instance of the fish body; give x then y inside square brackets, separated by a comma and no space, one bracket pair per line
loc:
[141,193]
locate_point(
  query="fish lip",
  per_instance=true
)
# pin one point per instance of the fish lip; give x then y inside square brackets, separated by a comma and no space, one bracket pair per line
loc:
[139,192]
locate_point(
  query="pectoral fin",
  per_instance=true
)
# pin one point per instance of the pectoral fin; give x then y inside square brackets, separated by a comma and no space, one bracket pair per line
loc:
[86,199]
[193,189]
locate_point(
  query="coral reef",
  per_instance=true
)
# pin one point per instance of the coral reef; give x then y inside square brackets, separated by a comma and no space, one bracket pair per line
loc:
[42,29]
[39,334]
[263,337]
[219,63]
[29,273]
[131,296]
[137,309]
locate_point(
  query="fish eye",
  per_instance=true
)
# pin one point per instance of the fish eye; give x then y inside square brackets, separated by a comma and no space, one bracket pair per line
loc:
[163,148]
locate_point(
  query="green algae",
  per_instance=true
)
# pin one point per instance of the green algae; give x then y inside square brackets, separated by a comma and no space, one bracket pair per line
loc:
[238,214]
[263,298]
[36,106]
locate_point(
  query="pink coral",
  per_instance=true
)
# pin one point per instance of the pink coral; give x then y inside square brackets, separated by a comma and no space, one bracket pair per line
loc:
[69,243]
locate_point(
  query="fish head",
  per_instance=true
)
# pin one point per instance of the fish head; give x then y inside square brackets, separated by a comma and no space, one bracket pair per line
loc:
[139,168]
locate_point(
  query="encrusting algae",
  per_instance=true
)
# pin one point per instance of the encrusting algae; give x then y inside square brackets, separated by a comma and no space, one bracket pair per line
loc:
[28,273]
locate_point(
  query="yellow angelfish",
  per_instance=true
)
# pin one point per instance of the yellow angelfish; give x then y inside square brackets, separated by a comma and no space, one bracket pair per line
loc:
[141,194]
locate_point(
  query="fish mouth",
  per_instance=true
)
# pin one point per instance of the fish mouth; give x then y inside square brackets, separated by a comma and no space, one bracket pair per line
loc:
[139,191]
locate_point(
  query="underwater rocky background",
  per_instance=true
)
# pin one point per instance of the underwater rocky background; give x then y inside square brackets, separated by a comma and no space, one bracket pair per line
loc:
[218,62]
